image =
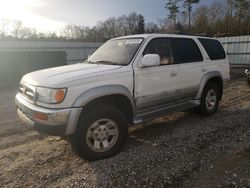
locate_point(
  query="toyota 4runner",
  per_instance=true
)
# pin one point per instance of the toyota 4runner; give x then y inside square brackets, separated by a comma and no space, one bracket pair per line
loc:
[128,80]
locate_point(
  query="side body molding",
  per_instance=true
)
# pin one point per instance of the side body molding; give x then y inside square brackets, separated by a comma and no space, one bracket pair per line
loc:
[204,80]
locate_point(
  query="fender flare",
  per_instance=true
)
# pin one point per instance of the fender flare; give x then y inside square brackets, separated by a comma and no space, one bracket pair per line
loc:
[205,79]
[92,94]
[101,91]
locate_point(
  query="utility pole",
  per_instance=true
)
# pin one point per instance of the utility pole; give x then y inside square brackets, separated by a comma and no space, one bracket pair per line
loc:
[188,5]
[230,15]
[175,14]
[189,15]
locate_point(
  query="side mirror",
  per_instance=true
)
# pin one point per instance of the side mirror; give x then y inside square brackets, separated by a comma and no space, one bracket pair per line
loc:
[150,60]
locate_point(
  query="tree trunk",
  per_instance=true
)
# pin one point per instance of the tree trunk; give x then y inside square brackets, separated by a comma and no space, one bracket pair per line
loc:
[189,16]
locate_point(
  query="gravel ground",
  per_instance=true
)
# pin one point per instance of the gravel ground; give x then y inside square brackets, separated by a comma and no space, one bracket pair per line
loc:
[179,150]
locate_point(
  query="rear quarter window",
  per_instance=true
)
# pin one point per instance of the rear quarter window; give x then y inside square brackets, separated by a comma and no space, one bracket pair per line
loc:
[186,51]
[213,48]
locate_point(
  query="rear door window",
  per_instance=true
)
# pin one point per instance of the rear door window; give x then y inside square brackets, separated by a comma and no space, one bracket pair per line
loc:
[213,48]
[186,51]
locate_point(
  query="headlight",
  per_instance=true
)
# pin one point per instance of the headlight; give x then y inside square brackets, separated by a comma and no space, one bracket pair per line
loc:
[49,95]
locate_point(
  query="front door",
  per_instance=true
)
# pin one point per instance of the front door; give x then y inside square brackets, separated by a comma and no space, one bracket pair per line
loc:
[157,86]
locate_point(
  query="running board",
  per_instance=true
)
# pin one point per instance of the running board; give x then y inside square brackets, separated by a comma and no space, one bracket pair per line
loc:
[150,114]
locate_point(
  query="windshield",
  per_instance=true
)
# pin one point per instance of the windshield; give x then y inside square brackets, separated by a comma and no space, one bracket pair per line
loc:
[116,52]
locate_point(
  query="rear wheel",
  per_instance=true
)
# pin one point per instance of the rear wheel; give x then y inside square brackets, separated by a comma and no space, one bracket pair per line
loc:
[101,133]
[209,99]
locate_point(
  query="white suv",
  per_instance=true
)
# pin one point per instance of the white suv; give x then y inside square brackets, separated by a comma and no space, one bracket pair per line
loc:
[128,80]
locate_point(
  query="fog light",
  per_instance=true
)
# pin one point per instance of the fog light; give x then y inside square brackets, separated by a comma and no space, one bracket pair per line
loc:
[41,116]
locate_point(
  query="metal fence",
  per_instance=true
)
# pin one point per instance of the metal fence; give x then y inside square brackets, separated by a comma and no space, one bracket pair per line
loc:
[76,51]
[238,49]
[20,57]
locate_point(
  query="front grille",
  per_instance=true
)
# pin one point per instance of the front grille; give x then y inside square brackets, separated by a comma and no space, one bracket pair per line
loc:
[27,91]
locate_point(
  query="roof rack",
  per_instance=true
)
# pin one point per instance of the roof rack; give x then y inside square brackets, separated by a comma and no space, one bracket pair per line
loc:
[194,34]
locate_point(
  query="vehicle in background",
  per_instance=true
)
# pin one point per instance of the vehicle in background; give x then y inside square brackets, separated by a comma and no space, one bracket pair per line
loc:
[247,75]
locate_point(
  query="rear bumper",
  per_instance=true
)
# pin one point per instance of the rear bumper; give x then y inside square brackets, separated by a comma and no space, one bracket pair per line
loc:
[56,121]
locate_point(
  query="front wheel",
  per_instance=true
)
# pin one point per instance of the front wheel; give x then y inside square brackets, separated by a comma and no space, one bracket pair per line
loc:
[209,99]
[101,133]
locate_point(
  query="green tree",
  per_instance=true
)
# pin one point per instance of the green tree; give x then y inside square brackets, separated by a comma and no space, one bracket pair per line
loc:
[188,5]
[141,25]
[173,8]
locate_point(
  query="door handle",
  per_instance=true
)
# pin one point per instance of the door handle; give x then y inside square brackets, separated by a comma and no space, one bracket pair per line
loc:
[173,74]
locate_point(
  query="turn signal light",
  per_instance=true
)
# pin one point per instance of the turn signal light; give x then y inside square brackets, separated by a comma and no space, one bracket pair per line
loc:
[41,116]
[59,95]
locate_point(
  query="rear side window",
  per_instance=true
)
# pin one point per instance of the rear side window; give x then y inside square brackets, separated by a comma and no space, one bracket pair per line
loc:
[186,51]
[213,48]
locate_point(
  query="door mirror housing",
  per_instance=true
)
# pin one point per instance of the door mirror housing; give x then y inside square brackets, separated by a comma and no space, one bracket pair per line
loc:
[150,60]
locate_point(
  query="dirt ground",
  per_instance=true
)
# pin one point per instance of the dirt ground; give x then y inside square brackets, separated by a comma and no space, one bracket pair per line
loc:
[179,150]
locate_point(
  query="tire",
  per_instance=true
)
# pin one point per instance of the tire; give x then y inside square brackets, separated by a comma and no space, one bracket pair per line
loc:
[101,133]
[209,99]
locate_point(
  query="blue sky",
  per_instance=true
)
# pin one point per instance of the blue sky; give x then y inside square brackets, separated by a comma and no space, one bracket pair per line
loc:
[48,15]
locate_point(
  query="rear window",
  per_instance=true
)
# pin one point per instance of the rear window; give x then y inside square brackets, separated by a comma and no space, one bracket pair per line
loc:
[186,51]
[213,48]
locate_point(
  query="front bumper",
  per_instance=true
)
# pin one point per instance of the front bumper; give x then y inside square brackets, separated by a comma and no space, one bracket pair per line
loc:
[56,122]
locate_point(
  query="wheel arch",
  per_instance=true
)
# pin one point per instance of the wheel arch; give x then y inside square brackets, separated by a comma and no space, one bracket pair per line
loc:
[214,77]
[116,95]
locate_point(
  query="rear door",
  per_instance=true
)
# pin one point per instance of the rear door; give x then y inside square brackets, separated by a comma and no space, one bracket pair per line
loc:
[191,66]
[217,59]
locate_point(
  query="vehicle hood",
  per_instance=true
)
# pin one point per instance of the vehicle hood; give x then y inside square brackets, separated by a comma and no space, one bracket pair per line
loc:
[53,77]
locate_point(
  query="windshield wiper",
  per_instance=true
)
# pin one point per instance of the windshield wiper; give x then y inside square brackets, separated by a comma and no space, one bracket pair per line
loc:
[87,61]
[105,62]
